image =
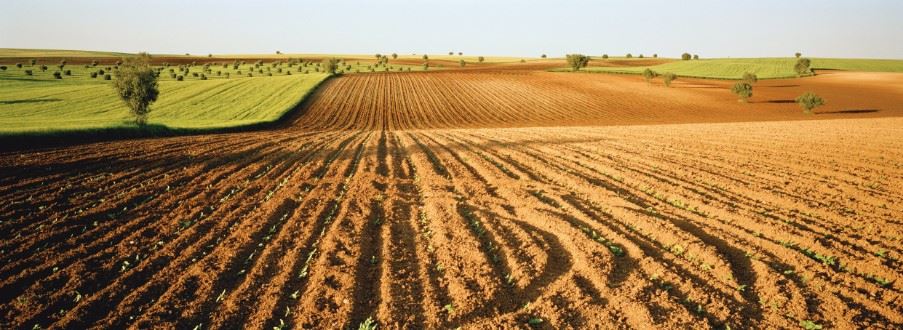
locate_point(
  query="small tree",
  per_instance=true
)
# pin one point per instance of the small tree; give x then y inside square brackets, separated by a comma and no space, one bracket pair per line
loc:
[749,78]
[30,73]
[802,66]
[136,84]
[654,55]
[460,53]
[462,63]
[394,56]
[577,61]
[2,68]
[543,56]
[629,55]
[668,77]
[56,75]
[451,53]
[426,57]
[481,59]
[641,56]
[330,65]
[648,74]
[426,66]
[33,61]
[798,54]
[604,56]
[743,90]
[19,65]
[696,56]
[686,56]
[809,101]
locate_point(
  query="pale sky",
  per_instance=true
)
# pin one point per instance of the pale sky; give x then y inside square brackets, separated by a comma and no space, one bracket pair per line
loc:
[711,28]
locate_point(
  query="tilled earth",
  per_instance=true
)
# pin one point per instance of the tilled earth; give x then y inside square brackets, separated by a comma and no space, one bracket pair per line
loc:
[426,200]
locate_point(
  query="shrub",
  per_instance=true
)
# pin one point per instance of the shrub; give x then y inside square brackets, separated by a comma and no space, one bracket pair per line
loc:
[43,68]
[394,56]
[798,54]
[30,73]
[686,56]
[219,73]
[460,53]
[426,65]
[648,74]
[100,71]
[462,63]
[57,75]
[696,56]
[426,57]
[194,74]
[330,65]
[604,56]
[543,56]
[107,77]
[809,101]
[172,75]
[523,61]
[654,55]
[577,61]
[67,72]
[641,56]
[209,55]
[33,61]
[180,78]
[481,59]
[136,85]
[2,68]
[94,63]
[203,77]
[250,74]
[19,65]
[802,66]
[750,78]
[94,74]
[668,77]
[227,75]
[629,55]
[743,90]
[451,53]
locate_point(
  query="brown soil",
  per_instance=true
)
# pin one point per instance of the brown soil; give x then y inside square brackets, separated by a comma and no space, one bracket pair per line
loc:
[434,200]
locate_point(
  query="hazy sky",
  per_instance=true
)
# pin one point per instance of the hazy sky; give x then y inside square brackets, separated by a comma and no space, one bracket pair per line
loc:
[711,28]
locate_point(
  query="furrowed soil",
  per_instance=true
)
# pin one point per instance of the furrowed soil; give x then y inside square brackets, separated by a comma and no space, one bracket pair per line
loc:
[480,198]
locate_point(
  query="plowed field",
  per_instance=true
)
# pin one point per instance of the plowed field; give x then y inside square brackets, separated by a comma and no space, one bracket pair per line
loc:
[426,200]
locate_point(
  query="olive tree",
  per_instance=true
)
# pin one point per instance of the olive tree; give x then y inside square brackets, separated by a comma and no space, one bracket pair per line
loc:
[462,63]
[686,56]
[648,74]
[802,66]
[749,78]
[604,56]
[668,77]
[743,90]
[394,56]
[481,59]
[543,56]
[798,54]
[136,84]
[330,65]
[577,61]
[809,101]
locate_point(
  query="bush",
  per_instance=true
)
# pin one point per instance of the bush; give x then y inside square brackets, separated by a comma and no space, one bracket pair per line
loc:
[250,74]
[426,57]
[136,84]
[67,72]
[462,63]
[19,65]
[798,54]
[802,66]
[743,90]
[641,56]
[577,61]
[809,101]
[481,59]
[451,53]
[668,77]
[30,73]
[107,77]
[426,66]
[648,74]
[686,56]
[543,56]
[696,57]
[654,55]
[57,75]
[203,77]
[94,63]
[93,74]
[2,68]
[172,75]
[750,78]
[43,68]
[33,61]
[394,56]
[629,55]
[194,74]
[101,71]
[604,56]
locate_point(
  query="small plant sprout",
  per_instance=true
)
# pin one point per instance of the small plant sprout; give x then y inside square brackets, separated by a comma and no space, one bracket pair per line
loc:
[368,324]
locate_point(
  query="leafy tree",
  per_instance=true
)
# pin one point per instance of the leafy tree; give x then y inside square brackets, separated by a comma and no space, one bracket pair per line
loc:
[798,54]
[460,53]
[655,55]
[136,84]
[743,89]
[809,101]
[33,61]
[543,56]
[641,56]
[481,59]
[648,74]
[668,77]
[802,66]
[629,55]
[696,56]
[604,56]
[451,53]
[462,63]
[330,65]
[426,57]
[686,56]
[750,78]
[394,56]
[577,61]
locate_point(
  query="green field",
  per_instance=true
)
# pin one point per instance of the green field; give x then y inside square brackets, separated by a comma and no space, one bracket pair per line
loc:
[42,104]
[764,68]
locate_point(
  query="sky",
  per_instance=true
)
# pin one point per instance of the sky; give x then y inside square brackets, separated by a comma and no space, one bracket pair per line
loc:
[710,28]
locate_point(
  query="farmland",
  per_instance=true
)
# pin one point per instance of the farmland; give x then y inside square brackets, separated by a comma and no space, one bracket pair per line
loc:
[494,197]
[765,68]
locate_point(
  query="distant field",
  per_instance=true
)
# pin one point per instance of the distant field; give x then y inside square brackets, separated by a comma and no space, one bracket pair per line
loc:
[42,104]
[16,52]
[764,68]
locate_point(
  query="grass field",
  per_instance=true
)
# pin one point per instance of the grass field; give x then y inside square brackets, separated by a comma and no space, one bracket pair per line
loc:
[764,68]
[42,104]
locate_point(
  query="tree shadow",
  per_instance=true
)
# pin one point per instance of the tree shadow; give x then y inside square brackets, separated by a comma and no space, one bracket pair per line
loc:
[780,101]
[30,101]
[847,111]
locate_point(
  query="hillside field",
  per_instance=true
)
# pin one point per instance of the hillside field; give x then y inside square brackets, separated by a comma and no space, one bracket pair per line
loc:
[764,68]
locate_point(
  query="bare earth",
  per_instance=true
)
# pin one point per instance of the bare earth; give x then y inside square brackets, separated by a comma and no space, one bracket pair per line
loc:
[482,198]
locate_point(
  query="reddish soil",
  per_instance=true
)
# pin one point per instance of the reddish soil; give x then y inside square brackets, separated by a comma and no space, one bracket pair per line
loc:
[434,200]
